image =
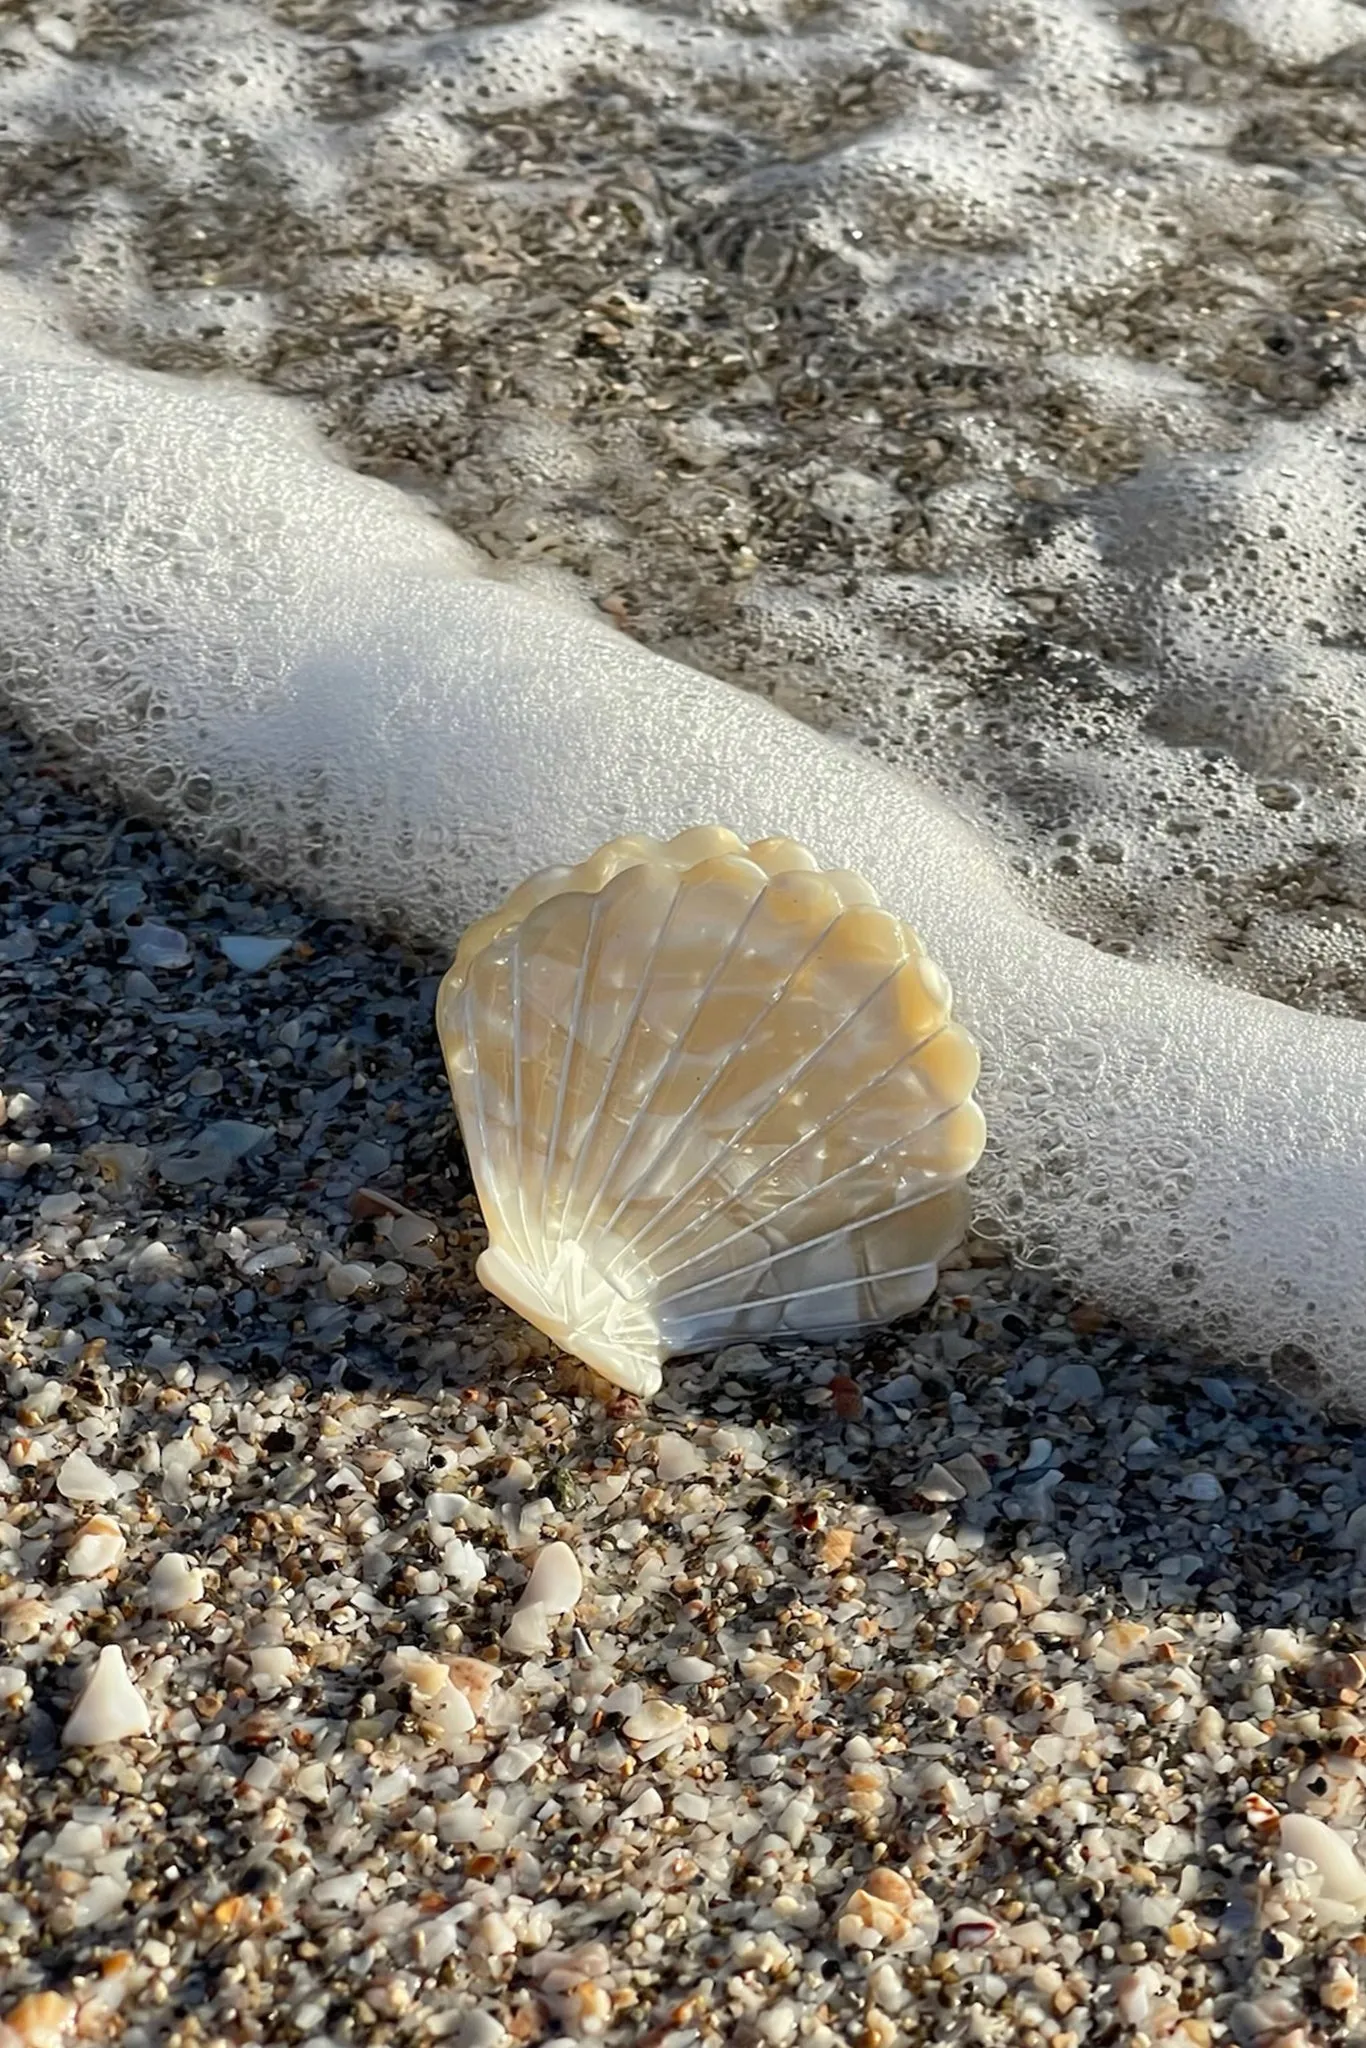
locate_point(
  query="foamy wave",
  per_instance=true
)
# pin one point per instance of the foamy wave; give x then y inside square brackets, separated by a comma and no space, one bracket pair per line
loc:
[296,667]
[885,356]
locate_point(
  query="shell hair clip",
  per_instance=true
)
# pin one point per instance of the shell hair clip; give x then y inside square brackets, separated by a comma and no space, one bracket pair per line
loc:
[709,1092]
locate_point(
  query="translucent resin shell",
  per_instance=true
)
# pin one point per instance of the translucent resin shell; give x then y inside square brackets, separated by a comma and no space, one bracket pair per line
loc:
[709,1092]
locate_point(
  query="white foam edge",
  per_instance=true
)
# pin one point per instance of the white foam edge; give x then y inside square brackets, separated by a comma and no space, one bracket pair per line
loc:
[189,586]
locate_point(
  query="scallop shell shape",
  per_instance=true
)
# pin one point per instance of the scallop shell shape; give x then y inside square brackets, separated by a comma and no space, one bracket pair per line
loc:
[709,1092]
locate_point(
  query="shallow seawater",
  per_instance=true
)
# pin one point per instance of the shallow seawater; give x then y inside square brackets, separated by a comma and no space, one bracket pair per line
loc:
[981,382]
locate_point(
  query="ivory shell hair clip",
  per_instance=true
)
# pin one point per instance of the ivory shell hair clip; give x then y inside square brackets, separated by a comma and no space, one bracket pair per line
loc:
[709,1092]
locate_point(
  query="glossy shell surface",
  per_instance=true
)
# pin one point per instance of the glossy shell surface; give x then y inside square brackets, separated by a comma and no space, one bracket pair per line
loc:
[710,1092]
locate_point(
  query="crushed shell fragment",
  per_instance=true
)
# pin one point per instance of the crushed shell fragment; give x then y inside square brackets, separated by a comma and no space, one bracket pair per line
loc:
[110,1708]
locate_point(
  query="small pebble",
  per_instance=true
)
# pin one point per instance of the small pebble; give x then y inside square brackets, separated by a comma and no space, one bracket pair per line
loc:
[556,1582]
[654,1720]
[1332,1855]
[154,946]
[99,1547]
[251,954]
[80,1478]
[676,1458]
[346,1279]
[212,1157]
[175,1581]
[1077,1381]
[42,2019]
[1200,1486]
[110,1709]
[939,1484]
[554,1589]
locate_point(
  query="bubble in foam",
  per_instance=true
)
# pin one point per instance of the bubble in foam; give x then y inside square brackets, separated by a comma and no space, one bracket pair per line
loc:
[294,664]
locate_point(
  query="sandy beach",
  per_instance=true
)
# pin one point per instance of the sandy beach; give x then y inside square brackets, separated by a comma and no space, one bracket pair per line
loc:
[945,1687]
[980,383]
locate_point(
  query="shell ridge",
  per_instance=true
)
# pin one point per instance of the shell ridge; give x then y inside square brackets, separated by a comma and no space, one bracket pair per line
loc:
[476,1099]
[853,1280]
[517,1055]
[771,1102]
[810,1244]
[481,1168]
[686,1120]
[618,1054]
[668,1067]
[570,1048]
[843,1285]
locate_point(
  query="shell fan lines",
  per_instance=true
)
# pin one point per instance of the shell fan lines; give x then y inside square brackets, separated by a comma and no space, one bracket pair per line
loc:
[709,1091]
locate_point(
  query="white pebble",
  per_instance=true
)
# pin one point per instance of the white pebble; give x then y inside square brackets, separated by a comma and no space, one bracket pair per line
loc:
[391,1786]
[970,1473]
[154,1261]
[515,1761]
[554,1588]
[778,2024]
[80,1478]
[462,1564]
[101,1899]
[450,1713]
[1058,1621]
[98,1547]
[270,1259]
[311,1783]
[494,1935]
[175,1582]
[939,1484]
[675,1458]
[556,1582]
[1281,1645]
[969,1928]
[435,1699]
[180,1459]
[58,34]
[342,1893]
[480,2030]
[655,1719]
[110,1709]
[76,1843]
[1340,1872]
[691,1670]
[1134,1995]
[263,1775]
[272,1670]
[348,1278]
[407,1230]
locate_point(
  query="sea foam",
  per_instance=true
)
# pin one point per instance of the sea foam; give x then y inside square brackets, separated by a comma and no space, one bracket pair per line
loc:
[297,667]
